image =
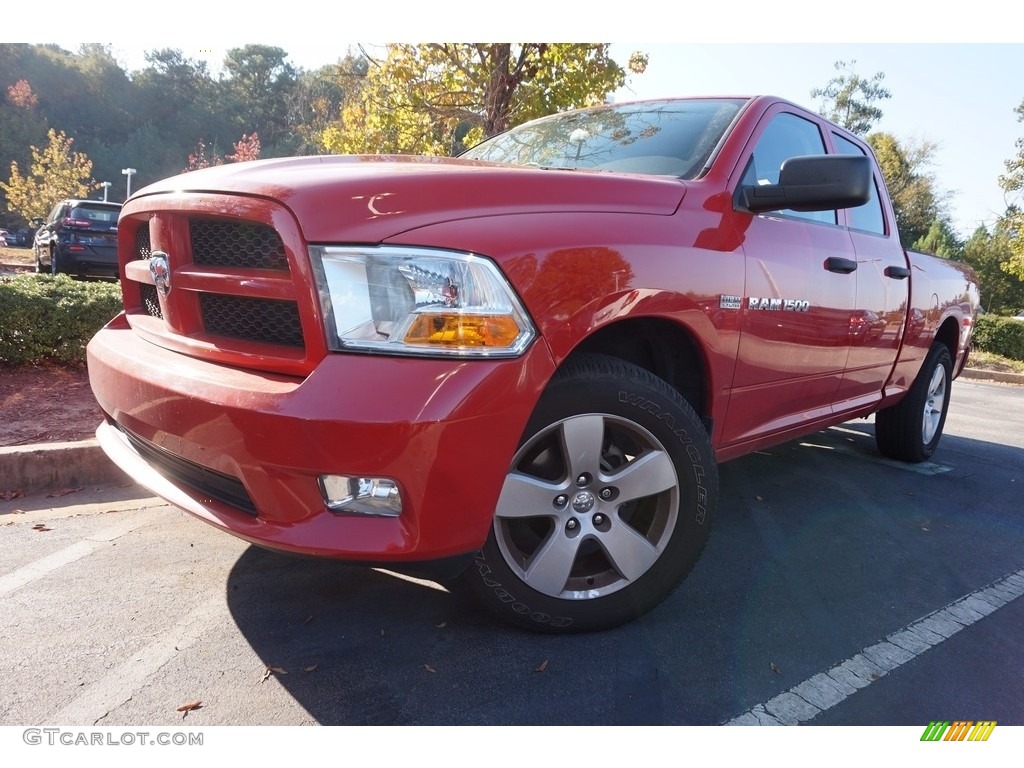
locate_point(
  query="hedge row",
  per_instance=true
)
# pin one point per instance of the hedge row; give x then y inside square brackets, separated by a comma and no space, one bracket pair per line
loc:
[1000,335]
[52,318]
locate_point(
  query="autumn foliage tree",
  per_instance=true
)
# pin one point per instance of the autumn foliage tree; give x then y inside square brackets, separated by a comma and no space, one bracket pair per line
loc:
[57,172]
[1012,183]
[437,98]
[246,148]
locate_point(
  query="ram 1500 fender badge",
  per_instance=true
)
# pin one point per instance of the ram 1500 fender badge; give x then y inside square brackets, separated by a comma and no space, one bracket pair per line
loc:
[786,305]
[161,272]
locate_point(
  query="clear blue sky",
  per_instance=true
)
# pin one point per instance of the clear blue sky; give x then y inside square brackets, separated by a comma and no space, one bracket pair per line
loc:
[960,93]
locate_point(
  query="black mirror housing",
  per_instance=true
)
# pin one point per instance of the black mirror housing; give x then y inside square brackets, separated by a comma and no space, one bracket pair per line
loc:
[812,183]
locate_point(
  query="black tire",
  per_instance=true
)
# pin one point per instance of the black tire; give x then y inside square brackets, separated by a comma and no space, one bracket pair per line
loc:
[911,429]
[607,505]
[54,267]
[40,269]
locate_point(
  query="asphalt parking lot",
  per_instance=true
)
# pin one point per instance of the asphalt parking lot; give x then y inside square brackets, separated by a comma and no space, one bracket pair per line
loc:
[116,609]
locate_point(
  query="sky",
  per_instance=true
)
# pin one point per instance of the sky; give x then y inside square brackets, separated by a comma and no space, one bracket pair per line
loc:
[955,81]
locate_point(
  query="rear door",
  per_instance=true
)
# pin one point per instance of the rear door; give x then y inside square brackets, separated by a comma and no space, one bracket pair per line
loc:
[883,292]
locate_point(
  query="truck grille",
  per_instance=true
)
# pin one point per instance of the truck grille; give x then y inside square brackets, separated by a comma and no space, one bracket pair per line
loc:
[234,293]
[236,244]
[243,317]
[143,248]
[150,300]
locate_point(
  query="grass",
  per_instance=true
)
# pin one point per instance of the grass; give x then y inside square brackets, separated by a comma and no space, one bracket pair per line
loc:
[988,361]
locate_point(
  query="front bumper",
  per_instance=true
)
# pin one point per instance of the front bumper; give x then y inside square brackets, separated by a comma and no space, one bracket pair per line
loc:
[446,430]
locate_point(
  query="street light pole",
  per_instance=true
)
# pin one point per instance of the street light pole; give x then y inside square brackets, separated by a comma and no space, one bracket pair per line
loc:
[129,172]
[106,188]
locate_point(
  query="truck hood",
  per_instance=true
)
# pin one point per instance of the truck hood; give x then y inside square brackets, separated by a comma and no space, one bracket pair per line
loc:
[369,198]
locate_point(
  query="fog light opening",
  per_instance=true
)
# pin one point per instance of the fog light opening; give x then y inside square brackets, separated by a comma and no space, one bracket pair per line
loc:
[368,496]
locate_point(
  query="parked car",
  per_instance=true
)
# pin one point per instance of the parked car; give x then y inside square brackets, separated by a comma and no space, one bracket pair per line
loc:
[79,237]
[1019,316]
[522,365]
[4,234]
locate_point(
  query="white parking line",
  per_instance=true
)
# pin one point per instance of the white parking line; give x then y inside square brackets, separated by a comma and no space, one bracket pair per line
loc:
[122,682]
[45,565]
[825,690]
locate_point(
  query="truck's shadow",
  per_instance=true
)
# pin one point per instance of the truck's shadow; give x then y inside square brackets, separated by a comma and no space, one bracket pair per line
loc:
[814,556]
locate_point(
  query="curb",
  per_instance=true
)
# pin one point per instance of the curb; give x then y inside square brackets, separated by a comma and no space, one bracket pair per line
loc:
[1006,378]
[46,466]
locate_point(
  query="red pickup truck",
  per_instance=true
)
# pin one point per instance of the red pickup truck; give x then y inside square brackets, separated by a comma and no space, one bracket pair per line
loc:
[521,365]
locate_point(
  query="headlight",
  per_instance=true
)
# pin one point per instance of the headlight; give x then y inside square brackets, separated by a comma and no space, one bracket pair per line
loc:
[418,301]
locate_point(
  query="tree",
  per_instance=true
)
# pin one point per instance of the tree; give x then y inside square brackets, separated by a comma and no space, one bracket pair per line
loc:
[915,198]
[988,253]
[437,98]
[940,240]
[21,123]
[260,81]
[246,148]
[849,99]
[1012,183]
[57,173]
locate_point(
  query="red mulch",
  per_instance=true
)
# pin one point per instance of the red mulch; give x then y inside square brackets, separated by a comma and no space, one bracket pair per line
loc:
[42,404]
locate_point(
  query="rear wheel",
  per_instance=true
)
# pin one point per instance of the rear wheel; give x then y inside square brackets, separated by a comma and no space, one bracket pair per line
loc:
[607,504]
[911,429]
[54,268]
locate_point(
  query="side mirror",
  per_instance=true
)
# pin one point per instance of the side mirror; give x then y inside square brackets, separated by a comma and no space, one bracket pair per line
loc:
[37,222]
[812,183]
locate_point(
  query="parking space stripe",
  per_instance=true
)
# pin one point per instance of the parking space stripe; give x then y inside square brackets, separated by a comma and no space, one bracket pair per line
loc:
[121,683]
[46,565]
[805,701]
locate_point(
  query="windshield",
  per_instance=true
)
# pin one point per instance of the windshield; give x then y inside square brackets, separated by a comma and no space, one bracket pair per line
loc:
[668,138]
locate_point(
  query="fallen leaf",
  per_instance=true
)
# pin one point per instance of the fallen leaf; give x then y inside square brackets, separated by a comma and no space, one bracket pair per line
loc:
[278,670]
[190,706]
[17,511]
[442,625]
[310,668]
[308,619]
[266,674]
[11,495]
[775,669]
[542,666]
[41,527]
[62,492]
[429,668]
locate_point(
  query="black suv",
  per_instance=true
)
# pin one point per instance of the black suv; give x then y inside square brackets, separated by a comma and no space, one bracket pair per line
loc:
[79,237]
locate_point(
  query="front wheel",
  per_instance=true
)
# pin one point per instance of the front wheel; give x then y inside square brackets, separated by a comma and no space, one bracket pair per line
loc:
[910,430]
[607,503]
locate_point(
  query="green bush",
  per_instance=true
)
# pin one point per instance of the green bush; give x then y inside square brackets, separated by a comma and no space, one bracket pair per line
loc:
[52,318]
[1000,335]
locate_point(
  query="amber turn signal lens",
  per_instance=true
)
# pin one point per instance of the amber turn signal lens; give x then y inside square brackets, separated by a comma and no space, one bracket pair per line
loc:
[463,330]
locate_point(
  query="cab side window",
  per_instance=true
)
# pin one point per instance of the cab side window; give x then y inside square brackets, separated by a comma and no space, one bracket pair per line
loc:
[866,217]
[786,136]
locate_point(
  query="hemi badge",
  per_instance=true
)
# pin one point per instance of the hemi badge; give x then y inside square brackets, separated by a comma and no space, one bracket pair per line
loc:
[730,302]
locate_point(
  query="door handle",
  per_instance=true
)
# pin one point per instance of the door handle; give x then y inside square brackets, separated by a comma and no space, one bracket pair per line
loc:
[840,265]
[897,273]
